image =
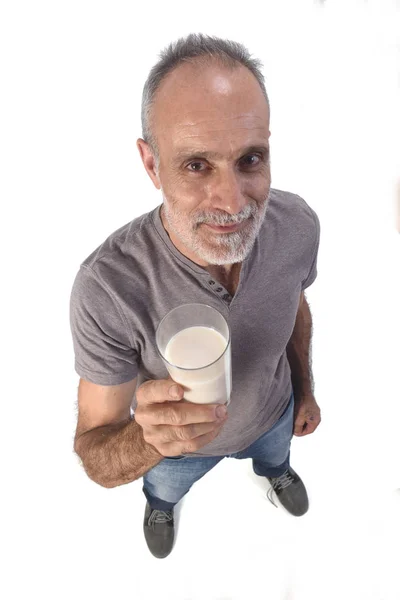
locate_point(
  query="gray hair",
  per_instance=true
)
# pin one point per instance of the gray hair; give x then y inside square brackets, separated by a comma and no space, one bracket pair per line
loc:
[194,47]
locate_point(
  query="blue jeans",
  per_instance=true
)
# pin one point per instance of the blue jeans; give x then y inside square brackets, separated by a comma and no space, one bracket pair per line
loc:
[172,478]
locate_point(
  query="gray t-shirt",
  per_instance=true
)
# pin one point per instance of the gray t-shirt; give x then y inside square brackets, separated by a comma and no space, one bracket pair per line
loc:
[132,280]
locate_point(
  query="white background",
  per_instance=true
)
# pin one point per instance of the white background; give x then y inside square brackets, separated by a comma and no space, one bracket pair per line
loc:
[71,76]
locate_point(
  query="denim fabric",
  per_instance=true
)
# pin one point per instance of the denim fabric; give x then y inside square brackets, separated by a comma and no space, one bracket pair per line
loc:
[172,478]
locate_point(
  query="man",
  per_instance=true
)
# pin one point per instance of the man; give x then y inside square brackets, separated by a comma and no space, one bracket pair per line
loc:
[221,237]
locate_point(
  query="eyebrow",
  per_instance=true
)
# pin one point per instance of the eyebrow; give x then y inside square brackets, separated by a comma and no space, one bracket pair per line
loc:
[190,154]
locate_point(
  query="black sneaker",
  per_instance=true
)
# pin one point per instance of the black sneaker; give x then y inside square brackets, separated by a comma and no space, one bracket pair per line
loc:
[158,527]
[290,491]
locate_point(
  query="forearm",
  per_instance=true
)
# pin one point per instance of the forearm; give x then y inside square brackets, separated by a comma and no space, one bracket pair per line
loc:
[113,455]
[298,352]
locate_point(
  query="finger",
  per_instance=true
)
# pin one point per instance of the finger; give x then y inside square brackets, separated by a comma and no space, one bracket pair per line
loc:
[159,390]
[177,448]
[299,426]
[310,427]
[313,419]
[185,413]
[165,433]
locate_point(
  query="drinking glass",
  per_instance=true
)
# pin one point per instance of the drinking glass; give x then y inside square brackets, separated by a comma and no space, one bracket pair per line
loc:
[194,341]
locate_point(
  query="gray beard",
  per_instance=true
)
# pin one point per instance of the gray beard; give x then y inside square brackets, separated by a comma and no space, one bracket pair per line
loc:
[225,248]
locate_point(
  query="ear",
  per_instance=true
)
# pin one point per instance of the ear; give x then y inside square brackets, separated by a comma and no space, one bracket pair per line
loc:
[149,161]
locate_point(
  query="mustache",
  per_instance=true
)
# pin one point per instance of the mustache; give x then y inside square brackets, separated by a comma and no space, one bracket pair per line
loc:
[222,220]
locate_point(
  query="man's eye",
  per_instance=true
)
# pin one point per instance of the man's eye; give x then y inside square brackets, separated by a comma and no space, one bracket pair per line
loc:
[249,162]
[195,165]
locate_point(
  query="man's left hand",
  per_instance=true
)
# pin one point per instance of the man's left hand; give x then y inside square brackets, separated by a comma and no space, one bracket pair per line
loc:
[307,415]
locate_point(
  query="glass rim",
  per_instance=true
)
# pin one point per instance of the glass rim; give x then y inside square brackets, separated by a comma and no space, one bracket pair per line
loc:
[209,364]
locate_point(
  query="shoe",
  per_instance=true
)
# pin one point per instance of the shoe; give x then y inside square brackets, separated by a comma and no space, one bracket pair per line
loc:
[158,527]
[290,491]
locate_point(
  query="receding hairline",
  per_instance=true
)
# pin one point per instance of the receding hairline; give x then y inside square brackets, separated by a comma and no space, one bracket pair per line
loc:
[201,64]
[204,62]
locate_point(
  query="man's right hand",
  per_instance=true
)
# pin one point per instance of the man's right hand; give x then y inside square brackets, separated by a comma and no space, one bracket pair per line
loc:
[172,425]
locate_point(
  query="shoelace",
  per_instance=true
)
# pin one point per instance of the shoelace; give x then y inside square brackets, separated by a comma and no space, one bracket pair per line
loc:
[279,482]
[160,516]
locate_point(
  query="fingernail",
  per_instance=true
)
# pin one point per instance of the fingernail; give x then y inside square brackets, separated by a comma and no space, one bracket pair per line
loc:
[174,391]
[221,411]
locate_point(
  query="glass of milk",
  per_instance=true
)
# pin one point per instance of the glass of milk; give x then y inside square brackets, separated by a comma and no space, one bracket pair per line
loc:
[194,342]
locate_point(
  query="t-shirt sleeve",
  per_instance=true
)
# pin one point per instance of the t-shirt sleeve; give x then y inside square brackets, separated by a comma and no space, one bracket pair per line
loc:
[103,351]
[312,275]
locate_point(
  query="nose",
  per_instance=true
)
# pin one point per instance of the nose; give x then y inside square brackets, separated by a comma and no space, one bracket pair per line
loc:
[226,192]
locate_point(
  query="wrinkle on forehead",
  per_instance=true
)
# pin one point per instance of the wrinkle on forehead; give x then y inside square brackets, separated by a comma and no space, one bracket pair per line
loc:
[187,129]
[260,128]
[192,122]
[178,138]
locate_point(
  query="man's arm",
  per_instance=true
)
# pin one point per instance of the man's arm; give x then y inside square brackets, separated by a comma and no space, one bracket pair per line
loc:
[307,414]
[110,443]
[299,351]
[113,455]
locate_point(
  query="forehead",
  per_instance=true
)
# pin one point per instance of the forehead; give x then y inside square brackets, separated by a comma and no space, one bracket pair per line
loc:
[197,107]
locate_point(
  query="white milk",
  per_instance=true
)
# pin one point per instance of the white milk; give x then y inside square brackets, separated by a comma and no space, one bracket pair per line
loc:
[196,347]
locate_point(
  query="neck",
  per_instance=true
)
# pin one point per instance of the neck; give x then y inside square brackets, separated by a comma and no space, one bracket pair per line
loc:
[227,275]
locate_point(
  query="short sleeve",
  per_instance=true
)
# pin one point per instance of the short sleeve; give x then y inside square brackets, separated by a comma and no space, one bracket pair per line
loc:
[312,274]
[103,351]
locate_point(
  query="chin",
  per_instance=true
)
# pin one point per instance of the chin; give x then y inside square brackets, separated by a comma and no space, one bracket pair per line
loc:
[218,256]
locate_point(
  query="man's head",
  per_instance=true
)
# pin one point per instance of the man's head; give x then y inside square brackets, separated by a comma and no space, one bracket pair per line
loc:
[205,118]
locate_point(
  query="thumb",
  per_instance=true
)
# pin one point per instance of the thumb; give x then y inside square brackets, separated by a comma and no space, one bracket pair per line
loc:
[158,391]
[175,390]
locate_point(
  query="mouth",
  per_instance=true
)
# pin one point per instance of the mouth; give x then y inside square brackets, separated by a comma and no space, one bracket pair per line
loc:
[225,229]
